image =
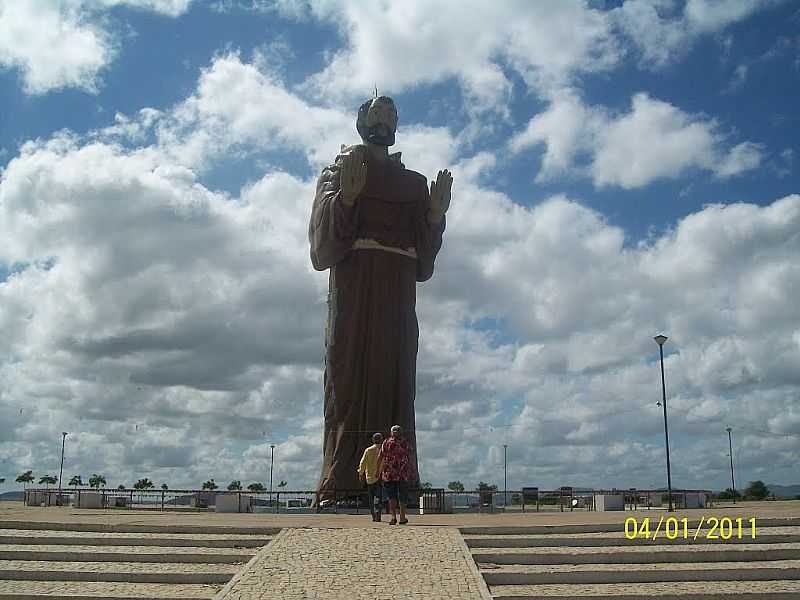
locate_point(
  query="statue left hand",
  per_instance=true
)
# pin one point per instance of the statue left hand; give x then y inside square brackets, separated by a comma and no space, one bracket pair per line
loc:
[440,195]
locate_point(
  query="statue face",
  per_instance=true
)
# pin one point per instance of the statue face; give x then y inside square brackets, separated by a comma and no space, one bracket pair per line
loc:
[377,121]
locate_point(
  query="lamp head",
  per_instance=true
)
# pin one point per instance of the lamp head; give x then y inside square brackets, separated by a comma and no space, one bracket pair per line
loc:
[660,339]
[729,429]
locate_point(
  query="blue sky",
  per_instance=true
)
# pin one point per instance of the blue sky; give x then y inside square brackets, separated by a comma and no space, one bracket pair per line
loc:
[587,140]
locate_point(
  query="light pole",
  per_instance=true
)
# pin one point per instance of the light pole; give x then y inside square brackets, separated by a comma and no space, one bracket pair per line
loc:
[730,449]
[61,470]
[505,476]
[271,464]
[660,339]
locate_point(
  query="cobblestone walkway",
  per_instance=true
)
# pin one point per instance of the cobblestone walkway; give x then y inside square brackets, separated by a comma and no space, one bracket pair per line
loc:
[390,563]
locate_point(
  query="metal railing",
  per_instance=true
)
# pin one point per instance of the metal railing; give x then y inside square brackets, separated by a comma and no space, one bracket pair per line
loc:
[354,500]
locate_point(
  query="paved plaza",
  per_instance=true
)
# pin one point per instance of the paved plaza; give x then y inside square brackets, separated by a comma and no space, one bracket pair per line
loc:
[124,554]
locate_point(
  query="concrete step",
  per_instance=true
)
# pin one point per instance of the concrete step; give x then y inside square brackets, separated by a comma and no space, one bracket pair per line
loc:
[777,535]
[121,553]
[689,590]
[137,528]
[35,570]
[640,573]
[83,590]
[612,527]
[88,539]
[637,552]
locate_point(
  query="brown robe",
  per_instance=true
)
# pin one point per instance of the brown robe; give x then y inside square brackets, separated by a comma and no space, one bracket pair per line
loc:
[372,333]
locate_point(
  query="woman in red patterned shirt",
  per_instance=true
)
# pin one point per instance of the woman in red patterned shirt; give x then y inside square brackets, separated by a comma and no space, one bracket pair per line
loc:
[395,467]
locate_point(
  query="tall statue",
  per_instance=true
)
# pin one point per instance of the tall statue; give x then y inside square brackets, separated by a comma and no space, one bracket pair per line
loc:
[378,228]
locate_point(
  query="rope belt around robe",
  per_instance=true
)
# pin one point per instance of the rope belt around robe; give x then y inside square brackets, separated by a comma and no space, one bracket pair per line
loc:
[367,244]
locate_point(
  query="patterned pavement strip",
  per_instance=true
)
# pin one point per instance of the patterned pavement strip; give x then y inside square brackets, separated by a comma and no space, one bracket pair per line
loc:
[37,533]
[594,568]
[65,589]
[118,567]
[638,546]
[141,550]
[390,563]
[648,590]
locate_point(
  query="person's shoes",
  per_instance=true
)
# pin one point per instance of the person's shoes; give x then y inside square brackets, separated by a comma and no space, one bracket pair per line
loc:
[403,521]
[393,522]
[378,518]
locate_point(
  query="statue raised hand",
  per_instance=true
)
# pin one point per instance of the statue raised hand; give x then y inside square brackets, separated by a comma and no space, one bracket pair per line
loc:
[440,195]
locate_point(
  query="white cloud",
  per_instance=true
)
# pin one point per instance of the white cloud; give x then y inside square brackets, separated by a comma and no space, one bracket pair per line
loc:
[655,140]
[63,44]
[401,46]
[663,31]
[153,312]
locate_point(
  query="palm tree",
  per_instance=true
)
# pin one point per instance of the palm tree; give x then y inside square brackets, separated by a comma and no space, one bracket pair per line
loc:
[282,484]
[121,486]
[25,478]
[256,487]
[76,481]
[164,487]
[141,485]
[235,485]
[96,481]
[210,485]
[48,480]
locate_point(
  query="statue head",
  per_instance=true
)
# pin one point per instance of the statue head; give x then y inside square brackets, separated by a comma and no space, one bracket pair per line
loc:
[377,121]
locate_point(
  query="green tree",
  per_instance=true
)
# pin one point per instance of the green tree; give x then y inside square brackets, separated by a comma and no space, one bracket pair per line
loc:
[48,480]
[2,479]
[486,487]
[164,487]
[256,487]
[142,485]
[729,493]
[25,478]
[455,486]
[210,485]
[426,486]
[121,486]
[235,485]
[75,481]
[282,484]
[756,490]
[96,481]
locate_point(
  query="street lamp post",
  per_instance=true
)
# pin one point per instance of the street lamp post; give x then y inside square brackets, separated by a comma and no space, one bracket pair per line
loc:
[271,464]
[61,470]
[730,449]
[660,339]
[505,476]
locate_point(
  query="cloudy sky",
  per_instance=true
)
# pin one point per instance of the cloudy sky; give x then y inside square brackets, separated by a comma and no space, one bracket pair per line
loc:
[621,170]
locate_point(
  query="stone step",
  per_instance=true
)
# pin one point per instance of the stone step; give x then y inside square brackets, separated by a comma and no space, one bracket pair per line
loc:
[88,590]
[689,590]
[640,573]
[611,527]
[638,552]
[111,539]
[34,570]
[121,553]
[604,539]
[139,528]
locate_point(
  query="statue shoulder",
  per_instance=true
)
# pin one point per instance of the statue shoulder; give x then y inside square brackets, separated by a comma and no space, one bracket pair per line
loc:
[415,178]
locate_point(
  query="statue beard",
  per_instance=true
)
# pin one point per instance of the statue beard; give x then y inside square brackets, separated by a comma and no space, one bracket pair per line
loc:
[380,134]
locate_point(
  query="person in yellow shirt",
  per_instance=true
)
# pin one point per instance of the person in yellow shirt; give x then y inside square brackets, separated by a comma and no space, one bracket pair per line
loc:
[368,473]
